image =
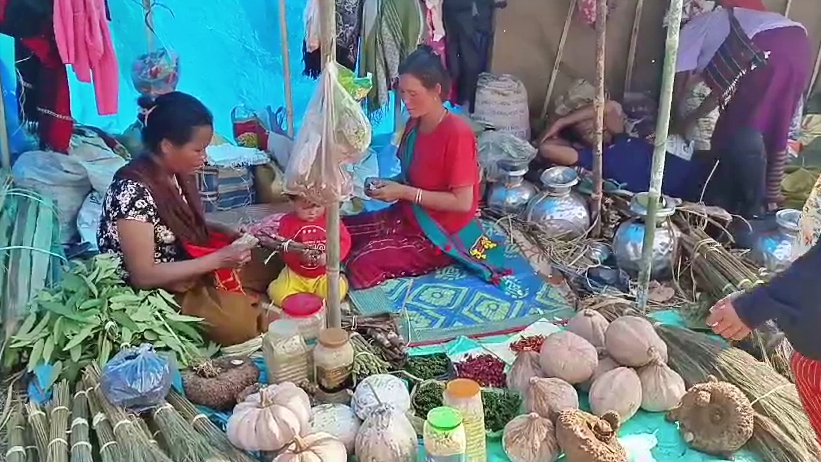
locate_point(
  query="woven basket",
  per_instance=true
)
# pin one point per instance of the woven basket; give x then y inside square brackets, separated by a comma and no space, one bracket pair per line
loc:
[501,102]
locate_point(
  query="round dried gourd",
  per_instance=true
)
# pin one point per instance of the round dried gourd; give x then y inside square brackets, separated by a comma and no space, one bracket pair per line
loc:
[269,420]
[386,434]
[714,417]
[618,391]
[587,438]
[661,387]
[337,420]
[569,357]
[546,397]
[632,341]
[530,438]
[589,325]
[316,447]
[606,364]
[525,367]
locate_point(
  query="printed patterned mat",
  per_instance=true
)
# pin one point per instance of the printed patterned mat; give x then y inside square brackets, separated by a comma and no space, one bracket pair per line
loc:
[453,302]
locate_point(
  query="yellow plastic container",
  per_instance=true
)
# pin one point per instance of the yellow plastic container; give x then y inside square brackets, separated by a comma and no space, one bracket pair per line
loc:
[465,396]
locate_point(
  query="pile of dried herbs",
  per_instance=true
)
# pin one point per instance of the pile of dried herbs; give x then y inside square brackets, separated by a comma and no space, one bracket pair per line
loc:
[501,406]
[92,314]
[427,367]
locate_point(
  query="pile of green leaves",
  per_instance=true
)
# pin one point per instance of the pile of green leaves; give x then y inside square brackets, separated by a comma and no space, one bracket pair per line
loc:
[427,367]
[501,406]
[93,314]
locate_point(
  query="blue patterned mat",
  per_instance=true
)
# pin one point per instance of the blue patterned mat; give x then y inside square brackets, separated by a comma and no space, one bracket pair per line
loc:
[452,302]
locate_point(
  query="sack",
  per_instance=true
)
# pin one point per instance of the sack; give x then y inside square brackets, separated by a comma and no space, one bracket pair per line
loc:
[99,160]
[280,144]
[501,102]
[269,181]
[497,146]
[226,188]
[136,378]
[88,219]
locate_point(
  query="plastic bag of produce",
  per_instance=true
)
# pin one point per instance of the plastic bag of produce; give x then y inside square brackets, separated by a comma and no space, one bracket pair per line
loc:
[310,173]
[156,73]
[136,378]
[499,146]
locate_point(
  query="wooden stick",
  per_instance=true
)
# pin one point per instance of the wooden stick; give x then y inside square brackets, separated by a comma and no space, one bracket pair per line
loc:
[149,25]
[598,105]
[286,68]
[788,8]
[634,41]
[5,147]
[549,95]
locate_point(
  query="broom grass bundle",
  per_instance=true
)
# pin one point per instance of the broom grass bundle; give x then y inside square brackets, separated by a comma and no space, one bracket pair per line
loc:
[184,443]
[787,435]
[38,422]
[109,449]
[16,451]
[206,428]
[135,445]
[59,412]
[80,441]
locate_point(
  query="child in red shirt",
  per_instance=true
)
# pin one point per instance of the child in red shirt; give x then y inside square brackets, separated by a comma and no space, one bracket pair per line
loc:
[304,273]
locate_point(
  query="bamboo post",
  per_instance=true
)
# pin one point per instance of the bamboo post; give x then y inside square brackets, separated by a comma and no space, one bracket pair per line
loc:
[788,8]
[286,68]
[328,48]
[149,25]
[634,41]
[657,172]
[5,147]
[559,54]
[598,105]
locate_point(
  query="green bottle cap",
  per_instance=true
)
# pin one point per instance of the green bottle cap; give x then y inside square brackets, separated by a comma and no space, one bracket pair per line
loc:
[444,418]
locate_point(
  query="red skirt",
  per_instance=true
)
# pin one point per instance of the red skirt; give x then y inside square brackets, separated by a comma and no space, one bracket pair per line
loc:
[387,245]
[807,374]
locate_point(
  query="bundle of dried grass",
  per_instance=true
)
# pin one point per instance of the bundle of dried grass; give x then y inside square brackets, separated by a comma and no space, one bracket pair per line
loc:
[134,443]
[109,450]
[59,413]
[783,431]
[38,422]
[16,431]
[206,428]
[80,441]
[185,444]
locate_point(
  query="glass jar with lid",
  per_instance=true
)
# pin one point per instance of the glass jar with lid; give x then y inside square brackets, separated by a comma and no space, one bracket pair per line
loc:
[285,352]
[308,311]
[465,396]
[444,436]
[333,360]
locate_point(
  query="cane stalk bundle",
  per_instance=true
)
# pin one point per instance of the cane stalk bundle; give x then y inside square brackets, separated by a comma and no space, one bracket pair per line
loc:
[16,451]
[782,427]
[80,442]
[39,428]
[135,445]
[185,444]
[206,428]
[59,411]
[109,450]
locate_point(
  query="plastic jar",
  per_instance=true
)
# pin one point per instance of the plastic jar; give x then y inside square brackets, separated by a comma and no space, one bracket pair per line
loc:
[285,353]
[333,360]
[444,436]
[465,396]
[308,311]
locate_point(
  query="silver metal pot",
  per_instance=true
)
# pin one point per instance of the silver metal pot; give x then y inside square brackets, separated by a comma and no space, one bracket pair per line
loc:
[511,195]
[561,212]
[629,239]
[772,248]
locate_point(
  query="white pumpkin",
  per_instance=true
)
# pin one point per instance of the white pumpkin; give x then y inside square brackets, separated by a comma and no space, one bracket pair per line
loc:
[337,420]
[387,435]
[377,390]
[271,419]
[316,447]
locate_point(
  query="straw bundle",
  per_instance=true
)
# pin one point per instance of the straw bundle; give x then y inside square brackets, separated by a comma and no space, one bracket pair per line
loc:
[80,441]
[787,434]
[39,428]
[16,451]
[206,428]
[109,450]
[186,445]
[135,445]
[59,412]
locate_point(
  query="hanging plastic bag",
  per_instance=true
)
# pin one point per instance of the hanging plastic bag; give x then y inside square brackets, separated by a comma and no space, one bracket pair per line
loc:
[156,73]
[313,34]
[136,378]
[498,146]
[310,173]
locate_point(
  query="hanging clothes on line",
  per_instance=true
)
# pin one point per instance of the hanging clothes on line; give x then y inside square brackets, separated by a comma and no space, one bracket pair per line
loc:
[43,82]
[348,20]
[84,40]
[391,30]
[435,36]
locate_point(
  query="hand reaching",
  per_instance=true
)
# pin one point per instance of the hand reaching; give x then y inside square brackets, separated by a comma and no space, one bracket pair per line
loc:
[724,321]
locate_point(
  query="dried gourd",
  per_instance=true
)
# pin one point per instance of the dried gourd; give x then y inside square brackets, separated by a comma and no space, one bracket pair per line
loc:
[632,341]
[316,447]
[377,390]
[215,383]
[337,420]
[589,325]
[546,397]
[525,367]
[567,356]
[587,438]
[616,391]
[387,435]
[530,438]
[661,387]
[606,364]
[269,420]
[714,417]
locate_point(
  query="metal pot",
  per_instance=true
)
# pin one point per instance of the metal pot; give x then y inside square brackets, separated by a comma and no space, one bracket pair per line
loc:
[511,195]
[629,239]
[561,212]
[772,249]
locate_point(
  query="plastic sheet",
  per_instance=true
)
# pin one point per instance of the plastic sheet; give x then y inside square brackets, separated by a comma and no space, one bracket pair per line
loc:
[136,378]
[498,146]
[310,173]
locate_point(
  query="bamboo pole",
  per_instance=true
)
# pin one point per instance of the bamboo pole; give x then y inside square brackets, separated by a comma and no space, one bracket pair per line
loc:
[634,42]
[5,147]
[788,8]
[559,54]
[598,105]
[286,68]
[328,48]
[149,25]
[657,172]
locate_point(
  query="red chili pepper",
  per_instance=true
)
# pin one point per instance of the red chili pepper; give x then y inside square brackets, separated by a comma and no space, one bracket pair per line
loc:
[487,370]
[530,343]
